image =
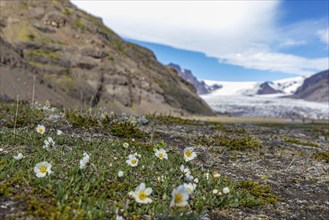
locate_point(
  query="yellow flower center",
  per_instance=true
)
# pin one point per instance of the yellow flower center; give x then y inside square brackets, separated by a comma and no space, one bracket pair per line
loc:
[142,195]
[40,130]
[133,161]
[178,198]
[161,155]
[188,153]
[190,190]
[43,169]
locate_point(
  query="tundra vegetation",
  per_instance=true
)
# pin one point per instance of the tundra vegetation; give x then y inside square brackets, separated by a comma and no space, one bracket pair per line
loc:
[97,165]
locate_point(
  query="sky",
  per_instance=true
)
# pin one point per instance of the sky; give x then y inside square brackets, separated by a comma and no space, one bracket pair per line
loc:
[237,40]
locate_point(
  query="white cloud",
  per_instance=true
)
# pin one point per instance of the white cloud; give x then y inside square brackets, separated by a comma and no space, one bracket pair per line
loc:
[324,35]
[219,29]
[207,26]
[291,43]
[270,61]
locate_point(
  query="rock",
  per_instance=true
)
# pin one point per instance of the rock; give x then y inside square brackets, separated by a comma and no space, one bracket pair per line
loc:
[322,138]
[44,28]
[55,19]
[142,120]
[91,52]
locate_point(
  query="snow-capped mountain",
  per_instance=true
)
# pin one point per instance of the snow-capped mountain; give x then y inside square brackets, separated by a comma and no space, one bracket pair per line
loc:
[280,87]
[231,88]
[267,99]
[289,85]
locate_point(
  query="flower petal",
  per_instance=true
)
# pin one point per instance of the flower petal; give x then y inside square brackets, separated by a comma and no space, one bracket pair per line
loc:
[148,191]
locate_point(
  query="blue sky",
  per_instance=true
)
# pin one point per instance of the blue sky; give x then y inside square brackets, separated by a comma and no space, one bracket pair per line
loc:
[207,67]
[225,40]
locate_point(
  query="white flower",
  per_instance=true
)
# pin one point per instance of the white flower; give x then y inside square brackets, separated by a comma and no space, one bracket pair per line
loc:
[196,180]
[162,154]
[137,155]
[84,161]
[19,156]
[120,173]
[40,129]
[125,145]
[215,191]
[132,160]
[191,187]
[59,132]
[226,190]
[131,194]
[49,143]
[207,175]
[133,139]
[141,194]
[186,171]
[216,174]
[118,217]
[41,169]
[1,149]
[179,196]
[161,178]
[189,154]
[189,178]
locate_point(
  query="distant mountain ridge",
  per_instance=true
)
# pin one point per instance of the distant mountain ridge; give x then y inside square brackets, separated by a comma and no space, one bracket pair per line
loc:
[284,87]
[288,98]
[267,88]
[201,87]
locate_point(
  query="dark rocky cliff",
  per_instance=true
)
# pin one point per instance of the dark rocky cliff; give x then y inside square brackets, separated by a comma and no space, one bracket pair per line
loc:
[200,86]
[315,88]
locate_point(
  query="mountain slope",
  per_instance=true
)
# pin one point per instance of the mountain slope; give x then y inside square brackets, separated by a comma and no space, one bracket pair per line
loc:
[72,54]
[315,88]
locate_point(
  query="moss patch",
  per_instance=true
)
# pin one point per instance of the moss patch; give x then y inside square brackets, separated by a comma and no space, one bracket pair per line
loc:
[298,142]
[261,192]
[322,156]
[80,24]
[231,142]
[43,53]
[168,119]
[104,124]
[126,130]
